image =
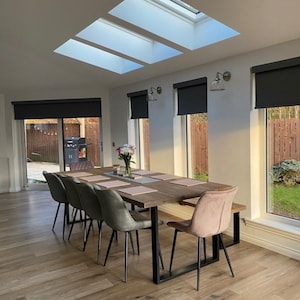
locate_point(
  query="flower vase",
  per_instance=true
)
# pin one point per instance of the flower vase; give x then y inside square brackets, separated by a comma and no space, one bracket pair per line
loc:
[127,169]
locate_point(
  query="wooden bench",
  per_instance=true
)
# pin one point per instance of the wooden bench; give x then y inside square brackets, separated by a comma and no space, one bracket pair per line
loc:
[235,210]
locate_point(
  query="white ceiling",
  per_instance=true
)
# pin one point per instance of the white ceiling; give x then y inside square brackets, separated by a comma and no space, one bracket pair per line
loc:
[31,29]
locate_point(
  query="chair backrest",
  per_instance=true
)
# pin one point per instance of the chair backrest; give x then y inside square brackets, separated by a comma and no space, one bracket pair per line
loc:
[89,200]
[56,187]
[212,213]
[72,195]
[81,165]
[115,212]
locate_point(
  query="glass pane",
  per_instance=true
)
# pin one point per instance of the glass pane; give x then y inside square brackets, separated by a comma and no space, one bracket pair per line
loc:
[283,156]
[42,148]
[82,140]
[143,143]
[197,143]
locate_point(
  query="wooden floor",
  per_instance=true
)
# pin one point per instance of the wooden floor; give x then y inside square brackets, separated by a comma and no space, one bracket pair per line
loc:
[35,263]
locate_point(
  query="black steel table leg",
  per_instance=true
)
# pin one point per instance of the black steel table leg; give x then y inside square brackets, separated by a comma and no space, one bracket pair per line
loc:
[155,247]
[236,228]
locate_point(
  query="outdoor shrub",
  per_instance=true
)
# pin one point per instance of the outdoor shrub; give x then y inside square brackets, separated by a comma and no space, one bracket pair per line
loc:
[288,172]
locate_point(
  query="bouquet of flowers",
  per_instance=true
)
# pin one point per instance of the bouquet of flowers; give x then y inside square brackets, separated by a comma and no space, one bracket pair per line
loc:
[125,153]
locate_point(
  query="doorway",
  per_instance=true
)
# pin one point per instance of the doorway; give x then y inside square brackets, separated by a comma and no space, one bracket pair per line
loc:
[48,144]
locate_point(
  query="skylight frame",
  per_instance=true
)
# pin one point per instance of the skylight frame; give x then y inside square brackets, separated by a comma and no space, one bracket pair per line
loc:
[181,8]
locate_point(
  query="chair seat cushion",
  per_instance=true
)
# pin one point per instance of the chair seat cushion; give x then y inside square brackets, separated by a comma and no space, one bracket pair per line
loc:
[183,226]
[141,218]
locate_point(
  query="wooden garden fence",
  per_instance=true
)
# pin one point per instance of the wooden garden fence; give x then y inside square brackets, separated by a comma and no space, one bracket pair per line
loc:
[43,145]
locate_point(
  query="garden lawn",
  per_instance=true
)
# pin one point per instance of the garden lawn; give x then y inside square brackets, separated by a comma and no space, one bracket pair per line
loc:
[286,201]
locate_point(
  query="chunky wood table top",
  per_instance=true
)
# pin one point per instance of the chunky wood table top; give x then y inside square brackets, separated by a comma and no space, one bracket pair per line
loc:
[170,189]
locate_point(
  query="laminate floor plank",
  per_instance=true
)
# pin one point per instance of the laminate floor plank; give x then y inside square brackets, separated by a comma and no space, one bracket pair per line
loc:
[37,264]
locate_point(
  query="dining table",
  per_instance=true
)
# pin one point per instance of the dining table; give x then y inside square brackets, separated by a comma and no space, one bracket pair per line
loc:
[149,190]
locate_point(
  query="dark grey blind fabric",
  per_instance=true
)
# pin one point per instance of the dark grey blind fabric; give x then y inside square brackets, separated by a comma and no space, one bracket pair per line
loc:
[139,104]
[192,96]
[277,84]
[67,108]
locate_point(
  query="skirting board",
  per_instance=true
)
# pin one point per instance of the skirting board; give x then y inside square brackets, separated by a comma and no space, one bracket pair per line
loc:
[285,242]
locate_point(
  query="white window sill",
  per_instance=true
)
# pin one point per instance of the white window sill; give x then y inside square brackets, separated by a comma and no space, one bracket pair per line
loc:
[277,226]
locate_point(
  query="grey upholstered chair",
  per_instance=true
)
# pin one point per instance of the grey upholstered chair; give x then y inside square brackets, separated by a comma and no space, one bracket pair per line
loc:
[92,208]
[58,193]
[211,217]
[118,217]
[73,199]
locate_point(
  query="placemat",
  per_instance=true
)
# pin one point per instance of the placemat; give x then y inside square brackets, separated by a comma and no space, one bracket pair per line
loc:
[94,178]
[164,176]
[188,182]
[137,190]
[143,172]
[79,174]
[112,183]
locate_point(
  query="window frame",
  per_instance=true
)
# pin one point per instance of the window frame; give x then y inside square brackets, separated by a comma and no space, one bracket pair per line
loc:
[265,213]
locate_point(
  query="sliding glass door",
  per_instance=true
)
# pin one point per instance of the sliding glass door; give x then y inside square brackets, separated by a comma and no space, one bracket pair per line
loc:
[52,144]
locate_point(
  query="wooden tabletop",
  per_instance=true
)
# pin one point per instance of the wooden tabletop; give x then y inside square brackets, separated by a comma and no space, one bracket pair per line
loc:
[166,190]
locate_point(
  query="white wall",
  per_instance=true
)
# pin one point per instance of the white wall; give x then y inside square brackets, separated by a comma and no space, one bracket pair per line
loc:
[235,150]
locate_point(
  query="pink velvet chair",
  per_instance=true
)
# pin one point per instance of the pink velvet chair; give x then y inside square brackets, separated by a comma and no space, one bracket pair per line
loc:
[211,217]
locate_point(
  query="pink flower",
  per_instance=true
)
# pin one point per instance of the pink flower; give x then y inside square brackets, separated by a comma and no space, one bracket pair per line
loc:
[125,152]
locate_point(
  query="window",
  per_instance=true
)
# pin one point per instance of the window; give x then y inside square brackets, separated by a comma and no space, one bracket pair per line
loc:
[143,143]
[49,122]
[277,93]
[283,157]
[196,143]
[139,113]
[192,106]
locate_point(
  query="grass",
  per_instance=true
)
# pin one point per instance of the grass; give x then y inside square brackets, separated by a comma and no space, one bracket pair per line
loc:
[285,201]
[201,176]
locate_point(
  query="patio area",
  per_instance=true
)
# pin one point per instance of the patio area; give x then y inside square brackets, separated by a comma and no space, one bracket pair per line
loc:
[35,170]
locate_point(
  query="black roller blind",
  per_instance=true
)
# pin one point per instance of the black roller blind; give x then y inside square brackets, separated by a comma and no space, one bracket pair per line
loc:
[139,104]
[67,108]
[277,84]
[192,96]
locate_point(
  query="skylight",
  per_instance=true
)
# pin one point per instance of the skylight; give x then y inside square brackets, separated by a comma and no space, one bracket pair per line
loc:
[97,57]
[174,21]
[115,48]
[122,40]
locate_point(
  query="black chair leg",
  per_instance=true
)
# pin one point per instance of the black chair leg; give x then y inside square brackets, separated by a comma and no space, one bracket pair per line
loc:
[173,249]
[71,229]
[126,255]
[65,220]
[109,246]
[204,248]
[58,206]
[131,241]
[87,235]
[84,228]
[161,259]
[199,263]
[99,240]
[137,241]
[226,254]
